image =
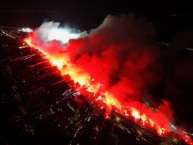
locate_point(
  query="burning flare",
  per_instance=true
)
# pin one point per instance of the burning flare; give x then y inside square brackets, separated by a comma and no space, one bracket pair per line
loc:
[107,68]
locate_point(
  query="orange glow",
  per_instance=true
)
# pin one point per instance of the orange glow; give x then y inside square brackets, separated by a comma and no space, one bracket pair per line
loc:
[57,62]
[161,131]
[151,122]
[144,118]
[135,113]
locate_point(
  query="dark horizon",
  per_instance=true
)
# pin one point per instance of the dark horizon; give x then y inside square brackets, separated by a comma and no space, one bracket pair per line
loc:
[86,15]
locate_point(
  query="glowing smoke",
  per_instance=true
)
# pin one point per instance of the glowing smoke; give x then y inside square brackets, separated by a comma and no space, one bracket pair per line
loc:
[118,55]
[116,61]
[50,31]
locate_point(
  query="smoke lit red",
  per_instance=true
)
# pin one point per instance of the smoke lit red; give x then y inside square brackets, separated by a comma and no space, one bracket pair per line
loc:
[115,66]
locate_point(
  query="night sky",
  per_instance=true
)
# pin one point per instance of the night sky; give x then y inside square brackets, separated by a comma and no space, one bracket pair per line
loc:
[83,14]
[173,21]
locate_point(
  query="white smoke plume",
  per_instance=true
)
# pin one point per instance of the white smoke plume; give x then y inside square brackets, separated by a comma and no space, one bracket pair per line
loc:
[49,31]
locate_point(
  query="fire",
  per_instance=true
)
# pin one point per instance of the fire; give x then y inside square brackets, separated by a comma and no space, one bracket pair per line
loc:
[100,93]
[144,118]
[161,131]
[151,122]
[135,113]
[57,62]
[111,100]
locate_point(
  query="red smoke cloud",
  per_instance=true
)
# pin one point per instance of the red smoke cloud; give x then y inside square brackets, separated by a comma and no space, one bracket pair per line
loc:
[116,63]
[116,55]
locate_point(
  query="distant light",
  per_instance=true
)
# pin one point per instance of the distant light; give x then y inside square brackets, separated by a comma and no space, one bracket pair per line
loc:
[117,119]
[191,49]
[26,30]
[173,127]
